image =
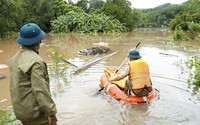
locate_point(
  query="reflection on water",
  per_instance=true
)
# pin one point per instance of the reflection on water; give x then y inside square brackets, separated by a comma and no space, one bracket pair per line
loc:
[178,103]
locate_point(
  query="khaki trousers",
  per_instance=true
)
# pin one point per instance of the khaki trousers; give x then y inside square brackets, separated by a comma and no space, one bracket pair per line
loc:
[38,121]
[139,92]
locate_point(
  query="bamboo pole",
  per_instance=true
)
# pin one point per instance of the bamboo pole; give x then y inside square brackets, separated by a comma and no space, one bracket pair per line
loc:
[78,69]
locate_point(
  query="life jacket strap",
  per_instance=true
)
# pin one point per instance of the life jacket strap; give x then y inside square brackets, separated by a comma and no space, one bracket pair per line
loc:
[142,84]
[138,73]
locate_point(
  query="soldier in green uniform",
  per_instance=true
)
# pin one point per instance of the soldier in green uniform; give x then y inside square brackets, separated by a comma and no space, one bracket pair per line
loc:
[29,83]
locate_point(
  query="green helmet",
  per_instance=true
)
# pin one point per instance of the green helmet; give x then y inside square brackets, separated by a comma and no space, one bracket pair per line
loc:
[134,54]
[30,34]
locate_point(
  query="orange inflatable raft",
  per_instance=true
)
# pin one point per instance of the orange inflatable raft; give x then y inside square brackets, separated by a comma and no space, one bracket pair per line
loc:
[116,92]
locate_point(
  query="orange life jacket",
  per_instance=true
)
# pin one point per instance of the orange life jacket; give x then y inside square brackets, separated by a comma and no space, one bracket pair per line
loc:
[139,74]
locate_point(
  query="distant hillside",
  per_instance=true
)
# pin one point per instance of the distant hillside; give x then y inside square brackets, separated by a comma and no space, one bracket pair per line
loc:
[156,8]
[162,15]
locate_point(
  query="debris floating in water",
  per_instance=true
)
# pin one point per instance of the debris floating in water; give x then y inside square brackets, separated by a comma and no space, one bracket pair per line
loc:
[3,66]
[2,77]
[94,50]
[3,100]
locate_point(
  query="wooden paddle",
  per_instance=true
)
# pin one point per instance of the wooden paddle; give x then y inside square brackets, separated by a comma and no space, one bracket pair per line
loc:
[116,71]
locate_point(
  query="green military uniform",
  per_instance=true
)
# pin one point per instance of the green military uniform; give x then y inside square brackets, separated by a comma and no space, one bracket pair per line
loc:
[29,87]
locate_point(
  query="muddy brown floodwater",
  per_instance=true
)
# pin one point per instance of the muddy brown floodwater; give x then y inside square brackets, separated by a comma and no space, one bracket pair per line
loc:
[179,102]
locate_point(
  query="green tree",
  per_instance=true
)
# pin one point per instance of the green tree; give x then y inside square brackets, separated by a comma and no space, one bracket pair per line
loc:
[139,17]
[60,7]
[190,13]
[9,17]
[37,11]
[95,5]
[120,10]
[162,15]
[70,2]
[83,4]
[182,19]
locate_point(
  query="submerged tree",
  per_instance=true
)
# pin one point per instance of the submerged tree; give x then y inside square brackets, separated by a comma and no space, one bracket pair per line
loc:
[194,65]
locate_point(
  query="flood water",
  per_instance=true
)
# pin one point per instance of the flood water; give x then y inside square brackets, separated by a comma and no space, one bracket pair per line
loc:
[178,102]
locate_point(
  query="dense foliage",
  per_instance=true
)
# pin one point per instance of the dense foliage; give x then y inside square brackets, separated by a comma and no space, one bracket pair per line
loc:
[191,13]
[120,10]
[161,17]
[8,19]
[192,33]
[61,8]
[118,13]
[15,13]
[173,15]
[86,23]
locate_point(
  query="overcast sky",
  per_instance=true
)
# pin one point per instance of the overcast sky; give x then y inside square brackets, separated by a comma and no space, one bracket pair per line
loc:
[141,4]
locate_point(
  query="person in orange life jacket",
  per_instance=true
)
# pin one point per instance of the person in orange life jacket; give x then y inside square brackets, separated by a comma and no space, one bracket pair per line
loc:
[138,82]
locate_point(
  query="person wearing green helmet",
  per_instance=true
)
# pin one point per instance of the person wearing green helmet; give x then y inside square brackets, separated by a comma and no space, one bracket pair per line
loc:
[29,82]
[138,83]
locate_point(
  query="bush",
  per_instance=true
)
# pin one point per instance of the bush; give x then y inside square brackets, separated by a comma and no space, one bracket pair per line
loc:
[86,23]
[194,29]
[6,116]
[58,71]
[194,65]
[179,35]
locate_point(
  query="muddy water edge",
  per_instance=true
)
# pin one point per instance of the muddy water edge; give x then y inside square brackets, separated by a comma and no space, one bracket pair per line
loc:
[179,102]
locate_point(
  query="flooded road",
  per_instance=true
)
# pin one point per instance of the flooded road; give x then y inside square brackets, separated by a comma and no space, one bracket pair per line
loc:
[178,103]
